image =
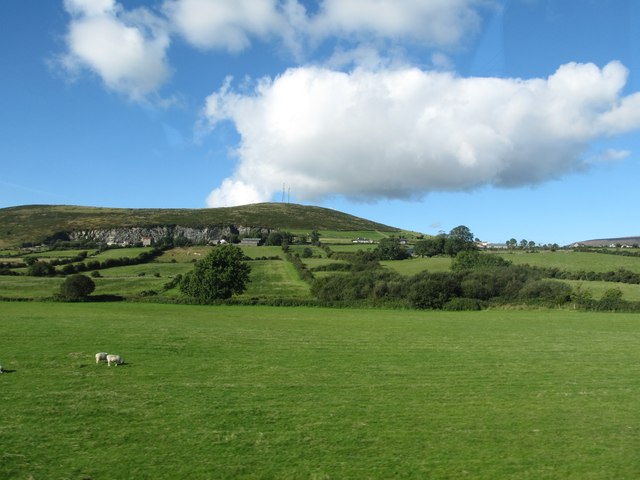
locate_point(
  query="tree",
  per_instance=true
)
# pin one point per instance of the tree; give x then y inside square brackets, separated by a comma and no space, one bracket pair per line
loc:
[219,275]
[391,249]
[472,259]
[459,239]
[41,269]
[314,238]
[430,247]
[463,233]
[76,287]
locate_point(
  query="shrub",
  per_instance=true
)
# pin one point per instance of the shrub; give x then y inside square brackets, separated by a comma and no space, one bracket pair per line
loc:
[41,269]
[219,275]
[461,303]
[551,292]
[76,287]
[433,290]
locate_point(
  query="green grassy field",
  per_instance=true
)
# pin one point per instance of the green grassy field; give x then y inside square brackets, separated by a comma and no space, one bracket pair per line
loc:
[255,392]
[275,279]
[413,266]
[58,254]
[574,261]
[630,292]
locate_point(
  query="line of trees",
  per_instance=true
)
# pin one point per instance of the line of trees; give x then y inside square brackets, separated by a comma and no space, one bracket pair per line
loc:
[458,240]
[476,281]
[39,268]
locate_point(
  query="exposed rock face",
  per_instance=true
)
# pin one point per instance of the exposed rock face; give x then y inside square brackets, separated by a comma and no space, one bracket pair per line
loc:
[133,235]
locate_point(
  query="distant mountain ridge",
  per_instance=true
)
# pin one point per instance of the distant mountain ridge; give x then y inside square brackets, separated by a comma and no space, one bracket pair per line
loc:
[35,223]
[607,242]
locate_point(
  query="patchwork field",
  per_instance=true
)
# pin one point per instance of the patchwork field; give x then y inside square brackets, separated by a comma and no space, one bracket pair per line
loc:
[257,392]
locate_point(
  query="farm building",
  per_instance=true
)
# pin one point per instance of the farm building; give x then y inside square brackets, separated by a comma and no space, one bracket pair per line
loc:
[253,242]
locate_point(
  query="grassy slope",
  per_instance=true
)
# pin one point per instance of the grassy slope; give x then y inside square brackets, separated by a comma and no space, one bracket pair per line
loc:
[575,261]
[35,222]
[237,392]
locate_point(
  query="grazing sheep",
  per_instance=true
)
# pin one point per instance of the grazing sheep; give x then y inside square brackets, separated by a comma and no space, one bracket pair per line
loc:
[115,359]
[101,357]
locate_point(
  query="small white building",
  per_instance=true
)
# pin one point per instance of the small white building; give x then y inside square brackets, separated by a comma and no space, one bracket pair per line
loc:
[250,242]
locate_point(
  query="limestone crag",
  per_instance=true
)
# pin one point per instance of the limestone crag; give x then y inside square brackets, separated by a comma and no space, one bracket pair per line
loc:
[135,235]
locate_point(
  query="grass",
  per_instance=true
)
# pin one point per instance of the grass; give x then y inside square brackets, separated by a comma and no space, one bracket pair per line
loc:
[413,266]
[574,261]
[23,287]
[275,279]
[60,253]
[253,392]
[131,252]
[630,292]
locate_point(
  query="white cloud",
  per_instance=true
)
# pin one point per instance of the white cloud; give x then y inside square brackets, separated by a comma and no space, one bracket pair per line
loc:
[443,23]
[232,24]
[89,7]
[227,24]
[127,50]
[403,133]
[233,192]
[610,155]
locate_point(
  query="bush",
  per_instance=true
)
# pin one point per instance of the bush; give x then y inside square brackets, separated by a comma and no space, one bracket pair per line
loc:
[551,292]
[41,269]
[461,304]
[433,290]
[76,287]
[219,275]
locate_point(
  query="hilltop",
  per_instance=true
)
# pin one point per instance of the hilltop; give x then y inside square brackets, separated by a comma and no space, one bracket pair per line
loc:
[607,242]
[35,223]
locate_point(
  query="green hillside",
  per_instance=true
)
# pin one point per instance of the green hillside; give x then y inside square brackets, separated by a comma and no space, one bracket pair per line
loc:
[33,223]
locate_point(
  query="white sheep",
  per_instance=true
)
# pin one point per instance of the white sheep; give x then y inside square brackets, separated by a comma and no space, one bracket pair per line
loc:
[101,357]
[115,359]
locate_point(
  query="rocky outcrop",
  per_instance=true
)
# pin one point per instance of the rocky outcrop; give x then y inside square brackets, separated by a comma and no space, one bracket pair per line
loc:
[134,235]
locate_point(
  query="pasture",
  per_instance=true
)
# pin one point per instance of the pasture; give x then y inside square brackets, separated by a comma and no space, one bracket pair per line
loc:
[573,261]
[258,392]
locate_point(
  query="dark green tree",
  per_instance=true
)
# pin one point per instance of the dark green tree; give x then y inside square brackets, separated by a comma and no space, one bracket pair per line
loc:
[314,237]
[430,247]
[219,275]
[41,269]
[391,249]
[459,239]
[462,232]
[76,287]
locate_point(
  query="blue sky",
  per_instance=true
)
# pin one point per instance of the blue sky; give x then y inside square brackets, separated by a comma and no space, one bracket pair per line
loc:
[516,118]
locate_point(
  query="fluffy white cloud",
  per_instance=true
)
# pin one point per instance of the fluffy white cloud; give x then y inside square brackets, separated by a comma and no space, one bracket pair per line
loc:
[403,133]
[234,192]
[231,24]
[89,7]
[126,49]
[227,24]
[434,22]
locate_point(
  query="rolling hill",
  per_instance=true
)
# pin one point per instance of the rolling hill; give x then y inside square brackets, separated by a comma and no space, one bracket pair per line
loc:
[607,242]
[34,223]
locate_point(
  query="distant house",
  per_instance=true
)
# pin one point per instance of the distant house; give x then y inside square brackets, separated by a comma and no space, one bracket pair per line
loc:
[147,241]
[361,240]
[492,246]
[250,242]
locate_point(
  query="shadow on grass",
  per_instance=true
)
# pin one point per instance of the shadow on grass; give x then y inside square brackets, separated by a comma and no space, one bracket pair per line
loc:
[104,298]
[7,371]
